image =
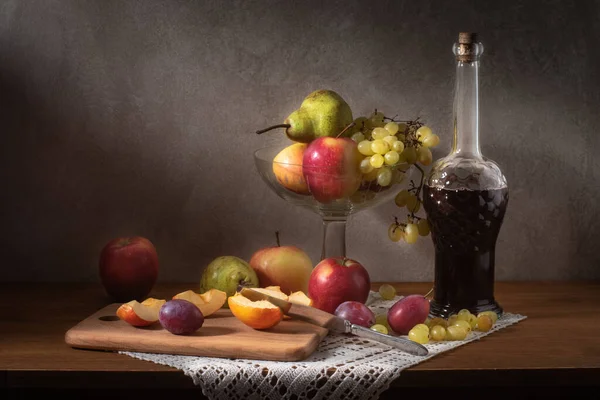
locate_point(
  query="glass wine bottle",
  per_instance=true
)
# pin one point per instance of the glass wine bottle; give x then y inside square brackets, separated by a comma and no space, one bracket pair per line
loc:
[465,198]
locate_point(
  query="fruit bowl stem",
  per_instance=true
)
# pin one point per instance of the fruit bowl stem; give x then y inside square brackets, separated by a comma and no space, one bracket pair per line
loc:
[334,237]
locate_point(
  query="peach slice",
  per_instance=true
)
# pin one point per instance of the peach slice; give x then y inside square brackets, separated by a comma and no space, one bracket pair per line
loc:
[208,302]
[275,288]
[274,291]
[140,314]
[256,314]
[300,297]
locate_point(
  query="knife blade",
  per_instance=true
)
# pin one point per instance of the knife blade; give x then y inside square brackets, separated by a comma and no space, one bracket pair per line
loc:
[334,323]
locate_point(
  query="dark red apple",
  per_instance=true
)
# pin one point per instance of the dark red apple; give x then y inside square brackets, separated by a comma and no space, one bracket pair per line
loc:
[128,268]
[331,168]
[337,279]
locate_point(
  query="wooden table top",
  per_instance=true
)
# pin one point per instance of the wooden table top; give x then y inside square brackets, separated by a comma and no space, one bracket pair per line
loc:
[558,344]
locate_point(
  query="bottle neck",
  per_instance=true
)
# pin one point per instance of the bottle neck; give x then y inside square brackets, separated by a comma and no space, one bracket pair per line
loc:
[466,110]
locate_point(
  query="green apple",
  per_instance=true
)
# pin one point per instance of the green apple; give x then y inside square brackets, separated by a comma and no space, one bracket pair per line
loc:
[227,273]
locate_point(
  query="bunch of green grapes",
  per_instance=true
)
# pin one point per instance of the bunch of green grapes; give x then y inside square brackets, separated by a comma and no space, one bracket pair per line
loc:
[390,147]
[456,327]
[414,226]
[382,145]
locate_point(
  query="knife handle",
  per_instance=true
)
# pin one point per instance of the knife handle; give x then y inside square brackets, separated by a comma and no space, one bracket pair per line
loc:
[406,345]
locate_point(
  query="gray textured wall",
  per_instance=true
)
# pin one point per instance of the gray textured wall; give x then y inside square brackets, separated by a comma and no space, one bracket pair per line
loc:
[137,117]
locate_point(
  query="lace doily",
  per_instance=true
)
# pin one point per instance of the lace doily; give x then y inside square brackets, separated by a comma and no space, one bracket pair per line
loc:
[342,367]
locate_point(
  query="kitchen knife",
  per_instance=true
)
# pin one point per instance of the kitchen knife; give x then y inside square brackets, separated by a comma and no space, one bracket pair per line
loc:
[334,323]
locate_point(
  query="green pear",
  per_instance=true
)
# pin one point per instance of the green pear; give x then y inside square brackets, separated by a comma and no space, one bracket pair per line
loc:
[227,273]
[322,113]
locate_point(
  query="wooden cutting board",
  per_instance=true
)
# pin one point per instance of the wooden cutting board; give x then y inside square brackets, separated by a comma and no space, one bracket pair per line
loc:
[222,335]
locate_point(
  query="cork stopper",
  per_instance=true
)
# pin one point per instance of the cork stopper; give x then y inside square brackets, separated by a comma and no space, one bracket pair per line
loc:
[467,37]
[467,41]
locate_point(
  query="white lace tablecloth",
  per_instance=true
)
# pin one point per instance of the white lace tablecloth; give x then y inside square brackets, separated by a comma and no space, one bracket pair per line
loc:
[342,367]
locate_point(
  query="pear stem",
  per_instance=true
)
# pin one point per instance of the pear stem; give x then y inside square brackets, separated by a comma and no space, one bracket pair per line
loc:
[345,129]
[277,238]
[286,126]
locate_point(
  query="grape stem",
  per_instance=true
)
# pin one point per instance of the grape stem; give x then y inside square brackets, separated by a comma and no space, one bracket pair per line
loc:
[413,187]
[405,121]
[398,224]
[270,128]
[412,212]
[422,180]
[277,238]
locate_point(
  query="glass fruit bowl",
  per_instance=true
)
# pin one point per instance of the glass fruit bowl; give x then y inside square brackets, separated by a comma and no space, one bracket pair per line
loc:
[333,196]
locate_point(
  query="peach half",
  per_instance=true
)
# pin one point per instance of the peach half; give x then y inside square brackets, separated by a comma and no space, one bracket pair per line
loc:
[256,314]
[140,314]
[208,302]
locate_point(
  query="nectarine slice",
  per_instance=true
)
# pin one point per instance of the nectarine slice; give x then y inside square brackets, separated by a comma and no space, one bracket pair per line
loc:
[208,302]
[140,314]
[256,314]
[274,291]
[300,297]
[275,288]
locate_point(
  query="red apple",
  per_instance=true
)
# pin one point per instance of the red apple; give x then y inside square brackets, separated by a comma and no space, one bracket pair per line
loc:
[336,280]
[128,268]
[288,267]
[287,167]
[331,167]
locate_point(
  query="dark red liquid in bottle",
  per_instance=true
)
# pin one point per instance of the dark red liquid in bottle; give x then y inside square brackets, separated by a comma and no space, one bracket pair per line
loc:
[464,228]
